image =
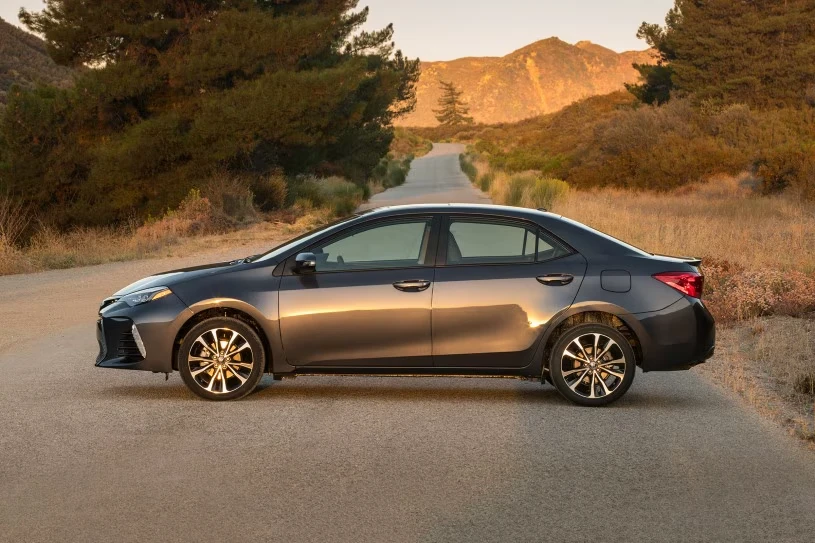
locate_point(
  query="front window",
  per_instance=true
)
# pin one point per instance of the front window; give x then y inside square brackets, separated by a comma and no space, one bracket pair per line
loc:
[402,244]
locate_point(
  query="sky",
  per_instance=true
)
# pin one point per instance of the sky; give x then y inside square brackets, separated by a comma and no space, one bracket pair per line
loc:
[448,29]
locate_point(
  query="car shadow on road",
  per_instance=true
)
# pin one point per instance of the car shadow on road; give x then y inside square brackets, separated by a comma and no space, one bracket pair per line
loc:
[523,393]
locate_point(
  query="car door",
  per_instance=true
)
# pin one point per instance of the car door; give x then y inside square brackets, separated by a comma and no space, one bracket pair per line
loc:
[368,303]
[498,283]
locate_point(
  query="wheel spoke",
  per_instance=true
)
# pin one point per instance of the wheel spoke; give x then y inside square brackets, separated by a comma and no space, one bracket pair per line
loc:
[593,379]
[596,346]
[611,343]
[615,374]
[212,380]
[582,350]
[207,347]
[605,387]
[201,370]
[567,352]
[231,340]
[236,374]
[574,385]
[572,372]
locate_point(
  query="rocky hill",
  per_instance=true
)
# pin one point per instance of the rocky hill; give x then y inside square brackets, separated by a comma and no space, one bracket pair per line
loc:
[540,78]
[24,61]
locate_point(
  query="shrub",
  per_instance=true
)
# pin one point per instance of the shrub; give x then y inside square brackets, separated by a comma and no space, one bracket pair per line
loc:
[335,193]
[270,192]
[15,218]
[485,181]
[468,167]
[788,167]
[231,199]
[517,187]
[543,193]
[396,175]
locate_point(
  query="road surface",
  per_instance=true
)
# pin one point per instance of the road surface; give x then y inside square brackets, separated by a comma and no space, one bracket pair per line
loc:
[88,454]
[436,178]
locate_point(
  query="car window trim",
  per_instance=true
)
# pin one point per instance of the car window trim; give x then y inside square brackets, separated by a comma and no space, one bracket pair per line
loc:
[448,218]
[435,227]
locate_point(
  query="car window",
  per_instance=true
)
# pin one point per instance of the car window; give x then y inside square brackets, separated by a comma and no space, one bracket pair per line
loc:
[489,242]
[392,245]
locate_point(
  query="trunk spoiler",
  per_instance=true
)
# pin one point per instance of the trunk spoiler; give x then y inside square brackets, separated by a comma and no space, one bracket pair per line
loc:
[696,262]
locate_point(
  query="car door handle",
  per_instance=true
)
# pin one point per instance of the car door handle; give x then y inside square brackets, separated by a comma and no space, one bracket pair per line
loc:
[556,279]
[416,285]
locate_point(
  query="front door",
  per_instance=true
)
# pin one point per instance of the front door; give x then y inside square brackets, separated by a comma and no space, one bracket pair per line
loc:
[498,283]
[369,302]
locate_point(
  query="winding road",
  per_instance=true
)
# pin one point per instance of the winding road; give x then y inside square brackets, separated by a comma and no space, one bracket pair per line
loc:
[98,455]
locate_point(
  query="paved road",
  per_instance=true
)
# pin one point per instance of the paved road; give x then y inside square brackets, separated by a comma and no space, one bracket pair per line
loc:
[434,178]
[101,455]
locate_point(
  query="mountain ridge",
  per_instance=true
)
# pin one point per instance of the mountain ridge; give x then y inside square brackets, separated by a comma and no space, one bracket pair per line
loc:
[539,78]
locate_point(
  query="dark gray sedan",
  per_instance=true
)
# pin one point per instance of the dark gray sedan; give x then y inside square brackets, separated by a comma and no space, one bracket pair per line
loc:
[420,290]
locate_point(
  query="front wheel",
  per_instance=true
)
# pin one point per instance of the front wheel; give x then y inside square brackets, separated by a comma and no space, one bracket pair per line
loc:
[221,359]
[592,364]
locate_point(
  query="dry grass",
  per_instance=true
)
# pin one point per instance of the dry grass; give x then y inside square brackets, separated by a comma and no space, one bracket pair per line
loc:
[722,219]
[770,362]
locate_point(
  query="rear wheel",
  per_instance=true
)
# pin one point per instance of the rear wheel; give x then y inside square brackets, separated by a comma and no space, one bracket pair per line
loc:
[592,364]
[221,359]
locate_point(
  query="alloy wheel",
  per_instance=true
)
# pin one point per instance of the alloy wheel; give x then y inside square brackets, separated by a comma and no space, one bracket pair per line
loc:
[220,360]
[593,365]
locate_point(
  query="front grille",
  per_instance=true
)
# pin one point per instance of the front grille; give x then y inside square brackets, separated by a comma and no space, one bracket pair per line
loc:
[127,346]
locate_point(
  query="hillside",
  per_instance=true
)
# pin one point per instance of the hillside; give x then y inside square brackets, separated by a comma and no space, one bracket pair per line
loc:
[540,78]
[24,60]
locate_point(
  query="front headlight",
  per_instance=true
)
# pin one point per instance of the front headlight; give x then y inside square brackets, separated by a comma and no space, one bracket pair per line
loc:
[144,296]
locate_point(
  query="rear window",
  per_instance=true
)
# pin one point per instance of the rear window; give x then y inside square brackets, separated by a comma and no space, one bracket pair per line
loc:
[607,237]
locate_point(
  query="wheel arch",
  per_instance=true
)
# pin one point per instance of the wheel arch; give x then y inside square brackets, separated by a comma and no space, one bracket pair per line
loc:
[204,311]
[600,313]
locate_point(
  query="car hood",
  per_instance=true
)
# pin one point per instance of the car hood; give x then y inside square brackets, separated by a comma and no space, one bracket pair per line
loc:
[170,278]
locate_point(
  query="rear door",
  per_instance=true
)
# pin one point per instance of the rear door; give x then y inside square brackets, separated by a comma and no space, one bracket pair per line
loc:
[369,302]
[498,283]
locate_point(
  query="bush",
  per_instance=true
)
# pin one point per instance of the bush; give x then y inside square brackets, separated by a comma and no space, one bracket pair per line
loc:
[486,181]
[271,192]
[15,218]
[543,193]
[788,167]
[468,167]
[232,201]
[517,187]
[342,197]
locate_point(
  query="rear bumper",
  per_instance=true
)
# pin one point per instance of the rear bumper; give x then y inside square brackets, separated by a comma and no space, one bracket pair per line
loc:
[157,323]
[679,337]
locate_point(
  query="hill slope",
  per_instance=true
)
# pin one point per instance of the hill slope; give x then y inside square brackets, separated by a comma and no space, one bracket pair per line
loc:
[540,78]
[24,60]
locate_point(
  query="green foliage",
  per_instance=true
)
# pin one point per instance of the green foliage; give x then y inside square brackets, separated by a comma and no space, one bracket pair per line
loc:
[758,52]
[468,167]
[271,191]
[392,172]
[181,91]
[789,167]
[337,194]
[543,193]
[453,109]
[485,181]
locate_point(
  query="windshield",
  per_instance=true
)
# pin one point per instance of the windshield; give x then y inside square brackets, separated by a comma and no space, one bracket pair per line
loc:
[282,249]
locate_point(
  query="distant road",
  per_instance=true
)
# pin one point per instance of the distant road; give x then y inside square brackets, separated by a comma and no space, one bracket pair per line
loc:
[91,455]
[435,178]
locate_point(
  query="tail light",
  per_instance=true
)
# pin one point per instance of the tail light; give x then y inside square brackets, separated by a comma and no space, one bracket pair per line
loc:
[689,283]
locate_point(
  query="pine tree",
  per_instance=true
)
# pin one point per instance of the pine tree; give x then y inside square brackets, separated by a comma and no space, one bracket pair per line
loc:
[174,90]
[452,109]
[757,52]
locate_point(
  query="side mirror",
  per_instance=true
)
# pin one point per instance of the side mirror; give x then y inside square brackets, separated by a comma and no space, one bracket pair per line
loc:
[305,263]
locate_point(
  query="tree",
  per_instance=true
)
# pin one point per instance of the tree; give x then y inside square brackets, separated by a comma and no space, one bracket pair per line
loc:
[452,109]
[174,90]
[757,52]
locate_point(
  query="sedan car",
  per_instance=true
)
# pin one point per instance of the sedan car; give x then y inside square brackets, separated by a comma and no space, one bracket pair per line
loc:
[441,290]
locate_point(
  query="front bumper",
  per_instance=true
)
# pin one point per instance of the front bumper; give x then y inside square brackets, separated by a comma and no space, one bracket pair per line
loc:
[158,324]
[679,337]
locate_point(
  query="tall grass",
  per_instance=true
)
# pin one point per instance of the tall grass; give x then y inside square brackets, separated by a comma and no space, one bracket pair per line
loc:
[336,193]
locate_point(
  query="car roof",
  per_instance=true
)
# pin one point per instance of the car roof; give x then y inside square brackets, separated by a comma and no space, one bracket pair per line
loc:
[487,209]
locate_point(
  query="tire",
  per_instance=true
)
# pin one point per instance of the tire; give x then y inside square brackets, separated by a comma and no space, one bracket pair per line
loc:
[584,380]
[226,369]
